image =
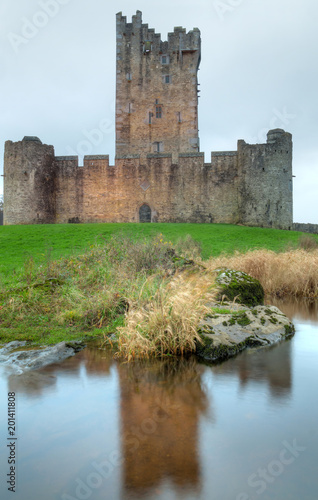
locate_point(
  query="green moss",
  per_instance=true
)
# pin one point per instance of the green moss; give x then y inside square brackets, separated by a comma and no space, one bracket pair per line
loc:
[273,320]
[219,310]
[289,330]
[205,329]
[240,318]
[263,321]
[224,323]
[268,311]
[241,287]
[205,346]
[253,341]
[243,320]
[255,312]
[207,350]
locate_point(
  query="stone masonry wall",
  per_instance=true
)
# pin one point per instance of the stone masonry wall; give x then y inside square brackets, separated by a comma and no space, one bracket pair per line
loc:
[250,186]
[69,189]
[226,181]
[189,191]
[305,228]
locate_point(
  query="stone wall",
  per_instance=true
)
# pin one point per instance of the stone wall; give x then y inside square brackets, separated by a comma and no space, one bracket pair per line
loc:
[305,228]
[69,189]
[99,192]
[249,186]
[226,181]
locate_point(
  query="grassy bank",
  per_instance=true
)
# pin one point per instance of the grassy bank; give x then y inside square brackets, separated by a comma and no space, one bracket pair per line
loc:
[83,281]
[87,295]
[42,242]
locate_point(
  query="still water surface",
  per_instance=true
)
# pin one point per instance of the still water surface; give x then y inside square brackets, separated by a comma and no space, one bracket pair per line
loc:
[95,428]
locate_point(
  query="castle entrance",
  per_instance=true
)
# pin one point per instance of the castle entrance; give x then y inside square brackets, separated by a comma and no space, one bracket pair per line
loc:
[145,213]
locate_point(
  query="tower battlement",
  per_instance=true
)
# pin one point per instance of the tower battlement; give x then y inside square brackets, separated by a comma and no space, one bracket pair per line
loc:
[179,39]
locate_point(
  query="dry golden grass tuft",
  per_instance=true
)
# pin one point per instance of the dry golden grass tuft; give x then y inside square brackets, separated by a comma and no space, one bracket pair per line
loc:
[290,273]
[308,242]
[167,324]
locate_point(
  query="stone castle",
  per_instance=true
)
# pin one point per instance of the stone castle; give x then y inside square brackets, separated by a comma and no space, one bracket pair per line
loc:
[159,173]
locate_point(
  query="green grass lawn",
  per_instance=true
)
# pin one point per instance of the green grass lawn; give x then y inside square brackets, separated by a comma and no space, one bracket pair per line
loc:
[18,243]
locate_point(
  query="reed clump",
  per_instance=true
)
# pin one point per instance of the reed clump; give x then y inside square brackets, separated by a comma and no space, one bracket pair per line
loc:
[308,242]
[168,323]
[294,272]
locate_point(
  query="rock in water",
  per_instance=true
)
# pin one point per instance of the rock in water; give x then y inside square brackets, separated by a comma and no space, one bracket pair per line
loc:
[233,326]
[225,332]
[14,355]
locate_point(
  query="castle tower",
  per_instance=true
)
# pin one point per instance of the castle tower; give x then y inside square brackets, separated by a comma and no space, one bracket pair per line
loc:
[29,182]
[267,181]
[156,90]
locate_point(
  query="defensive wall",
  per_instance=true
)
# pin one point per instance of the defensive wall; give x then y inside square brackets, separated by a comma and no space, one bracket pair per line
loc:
[305,228]
[251,186]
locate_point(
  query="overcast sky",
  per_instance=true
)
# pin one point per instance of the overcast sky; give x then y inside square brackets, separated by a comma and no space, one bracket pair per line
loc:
[258,71]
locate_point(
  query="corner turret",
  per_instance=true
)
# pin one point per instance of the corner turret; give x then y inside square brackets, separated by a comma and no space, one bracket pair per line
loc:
[267,182]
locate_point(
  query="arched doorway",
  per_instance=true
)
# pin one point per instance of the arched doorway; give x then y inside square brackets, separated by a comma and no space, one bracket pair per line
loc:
[145,213]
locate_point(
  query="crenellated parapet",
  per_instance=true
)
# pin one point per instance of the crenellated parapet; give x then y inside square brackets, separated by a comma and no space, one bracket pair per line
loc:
[178,41]
[250,186]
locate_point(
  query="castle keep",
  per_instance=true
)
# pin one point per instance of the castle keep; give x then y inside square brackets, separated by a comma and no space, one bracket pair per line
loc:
[159,173]
[156,91]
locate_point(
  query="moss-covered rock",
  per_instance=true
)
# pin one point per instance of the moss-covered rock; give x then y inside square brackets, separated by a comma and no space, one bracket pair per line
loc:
[239,286]
[225,335]
[212,351]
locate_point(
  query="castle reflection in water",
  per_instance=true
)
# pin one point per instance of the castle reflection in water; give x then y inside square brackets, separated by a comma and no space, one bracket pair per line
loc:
[161,403]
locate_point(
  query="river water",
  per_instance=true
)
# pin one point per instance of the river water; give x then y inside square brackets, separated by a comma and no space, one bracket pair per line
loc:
[94,428]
